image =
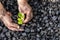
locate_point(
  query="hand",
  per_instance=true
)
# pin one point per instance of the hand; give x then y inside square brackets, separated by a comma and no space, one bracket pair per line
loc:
[25,8]
[6,19]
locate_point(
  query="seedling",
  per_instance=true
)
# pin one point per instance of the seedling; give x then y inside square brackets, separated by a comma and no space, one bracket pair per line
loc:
[20,18]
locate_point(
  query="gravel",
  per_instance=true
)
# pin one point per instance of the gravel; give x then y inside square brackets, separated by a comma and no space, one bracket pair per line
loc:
[45,24]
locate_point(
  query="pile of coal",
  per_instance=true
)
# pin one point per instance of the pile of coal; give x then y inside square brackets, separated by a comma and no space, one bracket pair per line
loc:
[45,24]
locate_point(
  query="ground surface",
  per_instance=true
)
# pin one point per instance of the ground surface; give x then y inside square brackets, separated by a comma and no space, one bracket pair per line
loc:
[45,24]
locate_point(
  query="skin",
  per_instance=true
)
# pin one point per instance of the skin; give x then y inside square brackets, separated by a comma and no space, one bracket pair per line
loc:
[23,7]
[8,23]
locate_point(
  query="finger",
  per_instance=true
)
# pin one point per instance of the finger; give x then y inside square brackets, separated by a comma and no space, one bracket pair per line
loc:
[16,26]
[15,29]
[20,10]
[28,17]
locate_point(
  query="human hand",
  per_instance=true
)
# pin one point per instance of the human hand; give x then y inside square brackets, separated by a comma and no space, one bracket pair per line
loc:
[25,8]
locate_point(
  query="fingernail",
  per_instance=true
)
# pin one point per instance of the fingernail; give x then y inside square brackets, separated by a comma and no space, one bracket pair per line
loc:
[18,27]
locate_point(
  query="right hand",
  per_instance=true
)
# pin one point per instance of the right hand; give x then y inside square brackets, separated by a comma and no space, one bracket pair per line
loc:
[6,19]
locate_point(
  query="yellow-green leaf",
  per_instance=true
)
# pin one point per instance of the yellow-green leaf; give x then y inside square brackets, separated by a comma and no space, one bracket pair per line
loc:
[20,22]
[21,15]
[20,18]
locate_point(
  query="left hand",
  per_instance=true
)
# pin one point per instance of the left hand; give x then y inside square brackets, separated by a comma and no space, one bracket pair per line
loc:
[25,8]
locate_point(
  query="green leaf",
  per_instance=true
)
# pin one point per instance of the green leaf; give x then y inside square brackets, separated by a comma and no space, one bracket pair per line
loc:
[21,15]
[20,22]
[20,18]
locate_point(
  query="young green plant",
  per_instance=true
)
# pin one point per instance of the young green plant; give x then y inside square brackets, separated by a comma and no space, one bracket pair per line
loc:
[20,18]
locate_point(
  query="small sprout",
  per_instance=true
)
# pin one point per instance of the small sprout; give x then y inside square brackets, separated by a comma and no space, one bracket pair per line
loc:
[20,18]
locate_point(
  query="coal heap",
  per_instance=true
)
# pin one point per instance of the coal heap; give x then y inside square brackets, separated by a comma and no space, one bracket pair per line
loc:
[45,24]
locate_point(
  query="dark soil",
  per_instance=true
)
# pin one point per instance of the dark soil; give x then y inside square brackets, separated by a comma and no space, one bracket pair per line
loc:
[45,24]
